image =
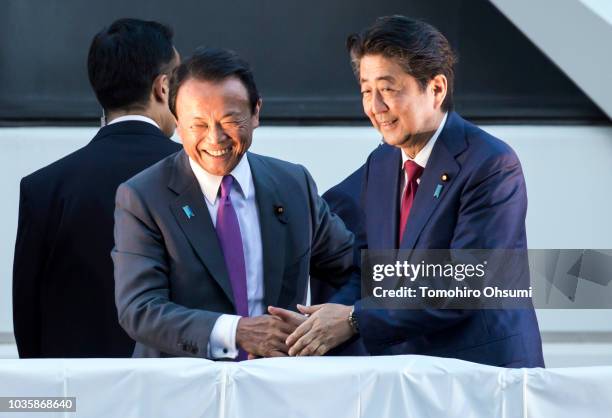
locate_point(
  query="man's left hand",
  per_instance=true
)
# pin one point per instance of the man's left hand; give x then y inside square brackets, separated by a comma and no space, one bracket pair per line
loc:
[326,328]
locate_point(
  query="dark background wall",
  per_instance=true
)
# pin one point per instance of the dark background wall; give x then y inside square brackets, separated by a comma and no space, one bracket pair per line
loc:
[297,52]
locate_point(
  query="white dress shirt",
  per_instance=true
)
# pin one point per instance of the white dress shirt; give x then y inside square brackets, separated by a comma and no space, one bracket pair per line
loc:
[140,118]
[222,342]
[421,158]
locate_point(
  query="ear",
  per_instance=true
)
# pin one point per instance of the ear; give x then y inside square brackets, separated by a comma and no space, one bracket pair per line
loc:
[438,87]
[179,128]
[255,116]
[161,88]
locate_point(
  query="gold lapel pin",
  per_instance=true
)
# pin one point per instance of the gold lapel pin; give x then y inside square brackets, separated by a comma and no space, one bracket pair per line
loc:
[444,177]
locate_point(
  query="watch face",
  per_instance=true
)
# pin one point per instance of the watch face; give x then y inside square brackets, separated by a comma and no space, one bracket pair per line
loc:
[353,321]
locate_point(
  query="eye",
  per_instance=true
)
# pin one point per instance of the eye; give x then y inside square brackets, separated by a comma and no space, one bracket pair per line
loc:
[365,92]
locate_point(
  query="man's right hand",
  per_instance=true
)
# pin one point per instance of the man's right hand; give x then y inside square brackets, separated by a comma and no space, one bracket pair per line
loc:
[263,336]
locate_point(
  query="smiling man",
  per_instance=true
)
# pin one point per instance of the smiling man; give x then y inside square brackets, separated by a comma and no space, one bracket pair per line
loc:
[437,182]
[213,234]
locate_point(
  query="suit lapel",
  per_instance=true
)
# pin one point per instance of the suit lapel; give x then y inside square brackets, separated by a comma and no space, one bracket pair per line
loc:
[191,213]
[442,161]
[272,221]
[383,199]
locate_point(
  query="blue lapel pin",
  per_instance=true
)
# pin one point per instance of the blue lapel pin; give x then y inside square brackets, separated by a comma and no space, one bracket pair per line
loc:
[188,212]
[438,191]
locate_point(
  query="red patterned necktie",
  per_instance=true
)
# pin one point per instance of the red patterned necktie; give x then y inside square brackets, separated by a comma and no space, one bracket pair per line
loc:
[413,171]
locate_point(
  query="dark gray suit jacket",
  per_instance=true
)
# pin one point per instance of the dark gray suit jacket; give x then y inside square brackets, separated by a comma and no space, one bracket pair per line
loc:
[170,274]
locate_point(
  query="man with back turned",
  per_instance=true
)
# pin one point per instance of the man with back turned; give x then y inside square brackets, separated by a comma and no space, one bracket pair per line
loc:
[63,288]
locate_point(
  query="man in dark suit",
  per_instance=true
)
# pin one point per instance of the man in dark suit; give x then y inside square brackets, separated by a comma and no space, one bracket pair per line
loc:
[209,237]
[63,288]
[438,182]
[343,200]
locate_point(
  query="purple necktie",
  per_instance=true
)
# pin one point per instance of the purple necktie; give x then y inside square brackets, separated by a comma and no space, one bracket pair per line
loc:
[228,232]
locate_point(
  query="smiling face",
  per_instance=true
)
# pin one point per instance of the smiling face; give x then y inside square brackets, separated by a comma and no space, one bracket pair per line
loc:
[404,113]
[215,122]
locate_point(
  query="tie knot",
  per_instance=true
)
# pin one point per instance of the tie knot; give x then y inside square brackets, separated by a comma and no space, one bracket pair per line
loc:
[226,186]
[413,170]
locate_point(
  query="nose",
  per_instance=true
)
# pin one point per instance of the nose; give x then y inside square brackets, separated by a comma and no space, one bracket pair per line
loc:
[216,134]
[378,103]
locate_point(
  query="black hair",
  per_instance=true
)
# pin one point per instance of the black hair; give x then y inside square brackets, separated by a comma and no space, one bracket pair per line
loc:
[213,64]
[125,58]
[421,50]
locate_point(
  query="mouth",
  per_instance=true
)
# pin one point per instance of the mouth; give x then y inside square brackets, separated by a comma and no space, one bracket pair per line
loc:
[387,124]
[220,152]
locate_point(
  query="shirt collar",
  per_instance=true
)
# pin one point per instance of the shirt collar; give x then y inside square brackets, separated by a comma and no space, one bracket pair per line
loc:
[423,155]
[140,118]
[209,183]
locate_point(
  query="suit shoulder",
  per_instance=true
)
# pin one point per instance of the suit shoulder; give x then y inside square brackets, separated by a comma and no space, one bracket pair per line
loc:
[350,186]
[89,157]
[153,176]
[383,150]
[56,171]
[486,147]
[167,146]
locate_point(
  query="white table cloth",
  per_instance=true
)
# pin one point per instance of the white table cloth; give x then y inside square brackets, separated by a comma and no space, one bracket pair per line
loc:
[335,387]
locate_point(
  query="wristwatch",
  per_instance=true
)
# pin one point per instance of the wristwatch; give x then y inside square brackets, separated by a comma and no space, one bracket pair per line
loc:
[353,321]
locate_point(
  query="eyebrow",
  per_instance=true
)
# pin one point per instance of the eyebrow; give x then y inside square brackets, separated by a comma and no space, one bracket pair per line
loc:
[229,114]
[388,78]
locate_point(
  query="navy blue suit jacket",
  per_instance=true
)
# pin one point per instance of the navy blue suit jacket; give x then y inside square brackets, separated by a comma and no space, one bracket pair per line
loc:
[482,206]
[343,200]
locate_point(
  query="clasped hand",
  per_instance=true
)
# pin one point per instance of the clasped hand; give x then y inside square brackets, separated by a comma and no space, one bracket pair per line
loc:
[314,331]
[325,328]
[266,335]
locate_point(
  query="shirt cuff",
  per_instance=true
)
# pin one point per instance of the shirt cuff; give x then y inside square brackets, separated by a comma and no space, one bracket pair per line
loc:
[222,341]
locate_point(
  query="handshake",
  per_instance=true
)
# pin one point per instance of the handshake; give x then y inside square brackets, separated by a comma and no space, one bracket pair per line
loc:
[312,332]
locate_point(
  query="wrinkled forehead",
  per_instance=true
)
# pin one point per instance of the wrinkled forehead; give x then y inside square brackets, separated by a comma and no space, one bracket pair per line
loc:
[212,97]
